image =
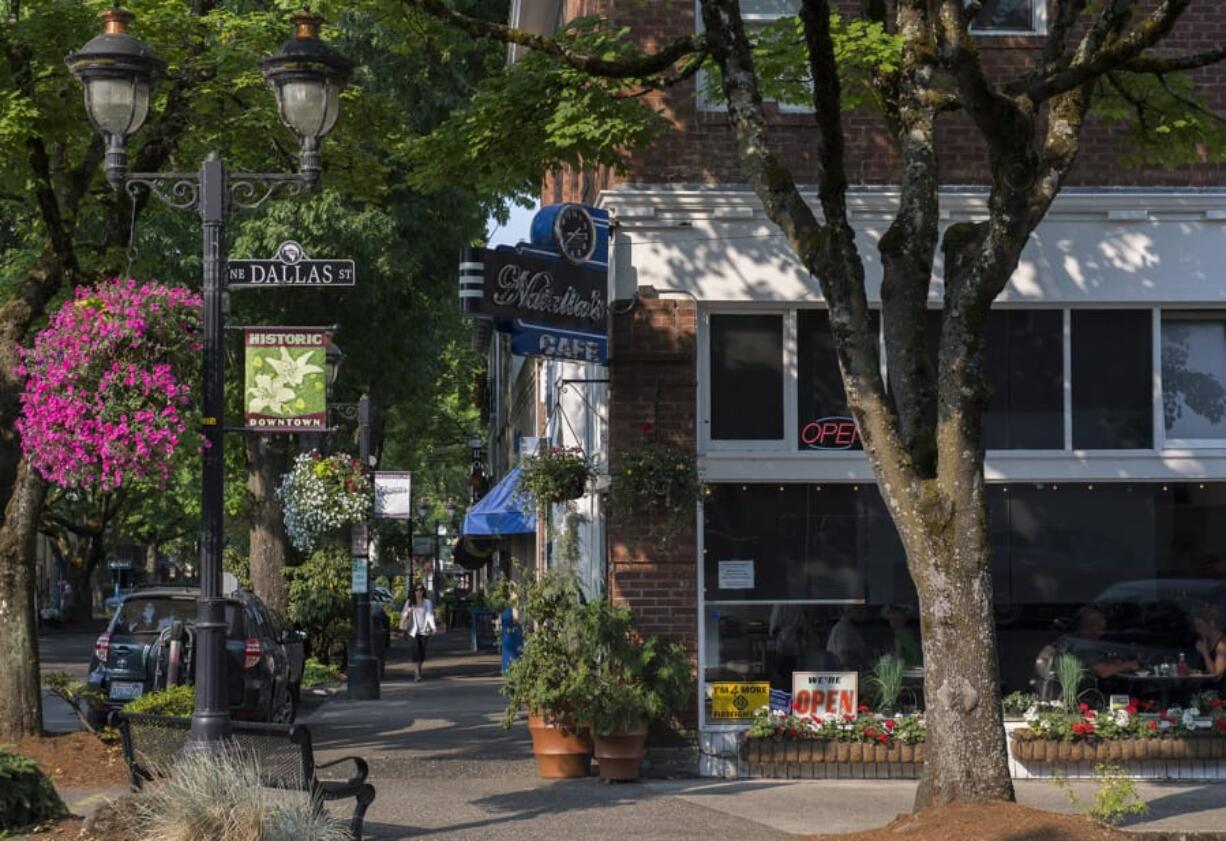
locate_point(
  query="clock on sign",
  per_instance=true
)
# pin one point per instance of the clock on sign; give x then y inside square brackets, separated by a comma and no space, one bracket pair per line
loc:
[574,233]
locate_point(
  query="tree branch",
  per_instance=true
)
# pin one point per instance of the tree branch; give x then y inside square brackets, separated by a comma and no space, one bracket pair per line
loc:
[647,64]
[1111,54]
[1148,63]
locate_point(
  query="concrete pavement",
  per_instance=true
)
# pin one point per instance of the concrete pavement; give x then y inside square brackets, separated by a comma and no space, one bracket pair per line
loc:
[446,769]
[67,651]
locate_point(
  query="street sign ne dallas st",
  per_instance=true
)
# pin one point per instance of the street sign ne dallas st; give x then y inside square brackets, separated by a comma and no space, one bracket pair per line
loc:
[290,267]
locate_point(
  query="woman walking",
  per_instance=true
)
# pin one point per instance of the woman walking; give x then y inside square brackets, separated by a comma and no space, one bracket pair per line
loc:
[417,619]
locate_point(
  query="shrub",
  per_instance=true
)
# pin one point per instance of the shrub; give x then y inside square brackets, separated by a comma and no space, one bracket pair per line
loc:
[555,475]
[315,673]
[320,602]
[658,482]
[1115,799]
[219,796]
[26,795]
[1016,703]
[178,701]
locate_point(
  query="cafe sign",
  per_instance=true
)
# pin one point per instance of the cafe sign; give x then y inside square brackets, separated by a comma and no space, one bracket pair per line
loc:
[285,379]
[546,293]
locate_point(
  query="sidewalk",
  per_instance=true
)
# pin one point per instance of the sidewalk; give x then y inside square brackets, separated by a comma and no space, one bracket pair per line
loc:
[445,768]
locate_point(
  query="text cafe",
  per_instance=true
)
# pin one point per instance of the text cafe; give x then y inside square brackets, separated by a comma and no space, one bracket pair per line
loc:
[1105,439]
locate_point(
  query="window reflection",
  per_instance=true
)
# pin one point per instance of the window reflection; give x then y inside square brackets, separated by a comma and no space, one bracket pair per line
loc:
[1193,365]
[1007,15]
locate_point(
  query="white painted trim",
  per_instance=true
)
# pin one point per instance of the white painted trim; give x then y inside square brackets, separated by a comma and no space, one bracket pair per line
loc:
[1208,465]
[702,618]
[1067,351]
[1155,346]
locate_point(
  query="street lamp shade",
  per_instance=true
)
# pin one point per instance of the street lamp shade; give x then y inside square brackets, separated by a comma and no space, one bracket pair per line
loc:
[118,72]
[308,76]
[423,509]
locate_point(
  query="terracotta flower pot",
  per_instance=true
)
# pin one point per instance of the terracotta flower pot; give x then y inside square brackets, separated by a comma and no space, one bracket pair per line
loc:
[620,755]
[562,751]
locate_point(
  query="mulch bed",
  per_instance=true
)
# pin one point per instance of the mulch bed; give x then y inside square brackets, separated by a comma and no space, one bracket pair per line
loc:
[76,760]
[985,822]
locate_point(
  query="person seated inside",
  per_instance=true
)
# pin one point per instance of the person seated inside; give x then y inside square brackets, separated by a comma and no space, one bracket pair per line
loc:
[1085,643]
[845,641]
[1211,641]
[906,643]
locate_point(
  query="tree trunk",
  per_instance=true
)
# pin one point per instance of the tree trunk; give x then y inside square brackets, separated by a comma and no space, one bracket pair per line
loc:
[20,700]
[964,756]
[267,461]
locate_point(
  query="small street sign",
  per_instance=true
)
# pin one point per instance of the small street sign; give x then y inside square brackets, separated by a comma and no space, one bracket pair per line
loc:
[290,267]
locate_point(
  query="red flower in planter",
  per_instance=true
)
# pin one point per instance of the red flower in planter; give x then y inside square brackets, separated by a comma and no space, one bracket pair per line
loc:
[1219,724]
[871,732]
[1216,704]
[647,428]
[862,709]
[1148,706]
[1083,729]
[1131,709]
[793,731]
[1091,715]
[1152,725]
[1083,707]
[882,738]
[890,724]
[848,717]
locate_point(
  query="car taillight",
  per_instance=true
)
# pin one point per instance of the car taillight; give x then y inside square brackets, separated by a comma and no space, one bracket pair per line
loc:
[102,648]
[251,654]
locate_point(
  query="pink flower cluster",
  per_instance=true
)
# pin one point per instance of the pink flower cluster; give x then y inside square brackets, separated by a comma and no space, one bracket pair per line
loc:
[105,396]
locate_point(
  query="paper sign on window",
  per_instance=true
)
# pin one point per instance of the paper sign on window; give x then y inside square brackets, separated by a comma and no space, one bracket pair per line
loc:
[825,694]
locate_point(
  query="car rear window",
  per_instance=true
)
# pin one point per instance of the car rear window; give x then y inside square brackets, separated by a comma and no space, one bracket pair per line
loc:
[153,614]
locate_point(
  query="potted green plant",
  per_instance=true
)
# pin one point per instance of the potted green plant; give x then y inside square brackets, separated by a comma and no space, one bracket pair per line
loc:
[556,474]
[635,680]
[549,679]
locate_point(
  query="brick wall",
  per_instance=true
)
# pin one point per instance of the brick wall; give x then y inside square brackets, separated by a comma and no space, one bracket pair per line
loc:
[700,148]
[652,380]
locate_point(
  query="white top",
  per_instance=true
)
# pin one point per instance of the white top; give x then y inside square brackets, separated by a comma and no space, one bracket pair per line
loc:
[418,619]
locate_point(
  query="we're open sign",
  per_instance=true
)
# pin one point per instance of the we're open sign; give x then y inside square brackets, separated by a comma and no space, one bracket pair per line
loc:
[825,694]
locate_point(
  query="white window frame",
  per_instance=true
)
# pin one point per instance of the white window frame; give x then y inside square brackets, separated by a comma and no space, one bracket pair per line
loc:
[1038,23]
[701,101]
[1192,314]
[776,445]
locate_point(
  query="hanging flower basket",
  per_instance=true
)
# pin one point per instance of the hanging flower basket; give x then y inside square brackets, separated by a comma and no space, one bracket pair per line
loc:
[658,482]
[555,475]
[322,494]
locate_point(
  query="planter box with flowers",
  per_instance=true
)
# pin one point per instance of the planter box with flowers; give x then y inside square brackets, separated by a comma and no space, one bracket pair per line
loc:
[783,746]
[1053,735]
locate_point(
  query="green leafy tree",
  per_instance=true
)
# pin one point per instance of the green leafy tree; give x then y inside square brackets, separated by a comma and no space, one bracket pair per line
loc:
[915,64]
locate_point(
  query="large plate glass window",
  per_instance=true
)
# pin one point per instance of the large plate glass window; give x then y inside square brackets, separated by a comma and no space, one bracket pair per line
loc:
[1009,17]
[1194,377]
[746,377]
[755,14]
[1113,391]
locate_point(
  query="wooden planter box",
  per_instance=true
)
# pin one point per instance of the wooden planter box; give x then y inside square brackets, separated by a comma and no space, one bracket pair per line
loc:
[828,759]
[1157,749]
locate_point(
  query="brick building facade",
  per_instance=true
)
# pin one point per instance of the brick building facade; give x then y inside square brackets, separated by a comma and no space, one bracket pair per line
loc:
[1107,462]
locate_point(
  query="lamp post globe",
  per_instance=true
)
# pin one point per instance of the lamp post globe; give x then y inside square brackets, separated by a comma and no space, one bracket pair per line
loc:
[118,73]
[307,77]
[423,509]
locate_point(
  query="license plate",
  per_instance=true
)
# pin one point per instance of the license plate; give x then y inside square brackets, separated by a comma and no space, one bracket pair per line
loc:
[124,691]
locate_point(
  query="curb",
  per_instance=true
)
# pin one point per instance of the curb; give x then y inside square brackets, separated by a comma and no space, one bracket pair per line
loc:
[1177,835]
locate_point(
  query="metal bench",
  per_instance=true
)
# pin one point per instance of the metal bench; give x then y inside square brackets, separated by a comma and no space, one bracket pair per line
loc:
[283,752]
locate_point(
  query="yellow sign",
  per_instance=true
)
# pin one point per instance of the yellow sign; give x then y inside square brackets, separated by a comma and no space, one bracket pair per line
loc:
[738,701]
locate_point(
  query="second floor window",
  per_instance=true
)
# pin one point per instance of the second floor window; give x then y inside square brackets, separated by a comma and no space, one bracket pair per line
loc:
[1010,17]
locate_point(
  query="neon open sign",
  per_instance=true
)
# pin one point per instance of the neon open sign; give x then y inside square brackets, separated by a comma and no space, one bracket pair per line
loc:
[830,434]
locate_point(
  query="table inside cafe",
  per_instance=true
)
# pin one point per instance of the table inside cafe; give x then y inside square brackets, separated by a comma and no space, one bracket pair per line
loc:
[1165,684]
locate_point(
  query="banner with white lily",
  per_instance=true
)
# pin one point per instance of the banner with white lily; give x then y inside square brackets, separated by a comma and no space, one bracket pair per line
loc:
[285,379]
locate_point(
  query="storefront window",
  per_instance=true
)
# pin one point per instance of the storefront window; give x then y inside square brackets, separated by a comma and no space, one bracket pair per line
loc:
[1114,573]
[746,377]
[1194,376]
[824,421]
[1113,394]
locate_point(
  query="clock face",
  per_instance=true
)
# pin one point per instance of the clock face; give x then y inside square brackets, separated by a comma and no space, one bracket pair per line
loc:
[575,233]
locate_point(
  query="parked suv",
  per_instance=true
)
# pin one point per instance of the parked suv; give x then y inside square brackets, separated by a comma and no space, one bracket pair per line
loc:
[136,654]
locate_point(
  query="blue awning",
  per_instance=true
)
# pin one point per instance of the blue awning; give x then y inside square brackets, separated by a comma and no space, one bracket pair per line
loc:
[499,512]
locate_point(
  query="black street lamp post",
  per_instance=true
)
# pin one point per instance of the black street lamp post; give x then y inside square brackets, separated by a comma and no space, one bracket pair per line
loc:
[118,72]
[363,666]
